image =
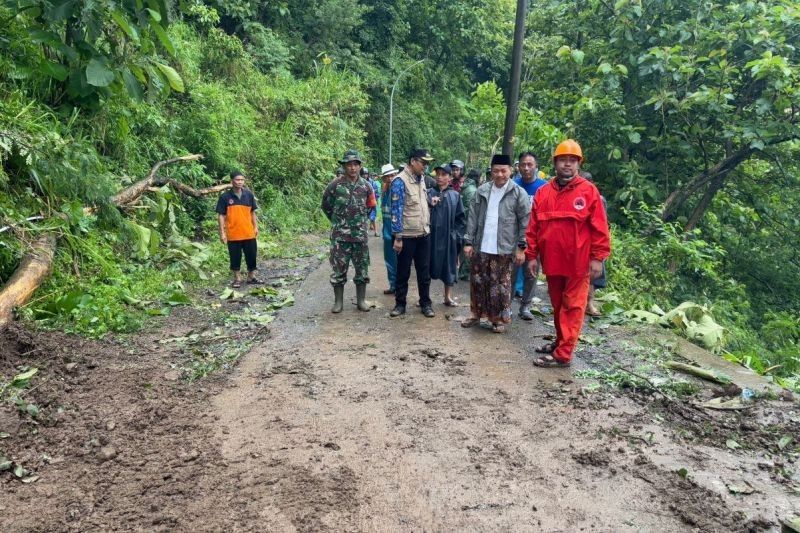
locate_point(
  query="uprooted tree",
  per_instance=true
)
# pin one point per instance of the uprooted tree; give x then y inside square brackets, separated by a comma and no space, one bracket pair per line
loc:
[37,263]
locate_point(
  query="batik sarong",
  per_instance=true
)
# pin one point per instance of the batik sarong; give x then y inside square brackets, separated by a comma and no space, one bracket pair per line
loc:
[490,287]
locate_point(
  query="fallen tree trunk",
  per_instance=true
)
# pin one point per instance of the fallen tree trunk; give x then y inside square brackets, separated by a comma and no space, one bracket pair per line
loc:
[36,265]
[32,271]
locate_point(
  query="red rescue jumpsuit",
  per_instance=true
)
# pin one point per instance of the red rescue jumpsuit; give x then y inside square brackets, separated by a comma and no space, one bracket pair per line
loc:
[567,229]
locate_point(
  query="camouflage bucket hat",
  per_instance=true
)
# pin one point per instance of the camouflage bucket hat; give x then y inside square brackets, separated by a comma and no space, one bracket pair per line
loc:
[350,155]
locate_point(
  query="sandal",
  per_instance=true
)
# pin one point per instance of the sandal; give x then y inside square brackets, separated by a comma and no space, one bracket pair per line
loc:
[254,281]
[451,303]
[498,328]
[469,322]
[548,361]
[236,284]
[548,348]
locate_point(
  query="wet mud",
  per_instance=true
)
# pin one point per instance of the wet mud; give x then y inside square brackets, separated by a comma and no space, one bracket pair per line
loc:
[361,422]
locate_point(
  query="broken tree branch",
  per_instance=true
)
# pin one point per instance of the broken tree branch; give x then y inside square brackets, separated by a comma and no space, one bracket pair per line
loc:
[191,191]
[678,197]
[29,219]
[133,192]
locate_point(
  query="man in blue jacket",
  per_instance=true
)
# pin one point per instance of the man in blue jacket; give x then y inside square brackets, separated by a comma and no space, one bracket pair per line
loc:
[524,282]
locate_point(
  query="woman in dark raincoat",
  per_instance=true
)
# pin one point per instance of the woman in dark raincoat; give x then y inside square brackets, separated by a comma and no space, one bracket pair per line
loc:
[448,223]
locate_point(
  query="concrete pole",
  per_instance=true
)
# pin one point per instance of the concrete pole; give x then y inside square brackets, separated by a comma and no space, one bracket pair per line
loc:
[391,104]
[512,106]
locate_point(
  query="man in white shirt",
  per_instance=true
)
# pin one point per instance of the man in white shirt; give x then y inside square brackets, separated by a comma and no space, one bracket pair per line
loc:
[496,226]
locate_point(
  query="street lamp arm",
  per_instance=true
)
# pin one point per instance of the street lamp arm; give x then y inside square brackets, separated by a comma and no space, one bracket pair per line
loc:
[404,72]
[391,102]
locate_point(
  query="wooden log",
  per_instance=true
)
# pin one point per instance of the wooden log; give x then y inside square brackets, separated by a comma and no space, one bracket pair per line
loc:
[32,271]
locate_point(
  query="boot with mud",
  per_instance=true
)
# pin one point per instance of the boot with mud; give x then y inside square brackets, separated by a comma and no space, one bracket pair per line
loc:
[361,295]
[338,303]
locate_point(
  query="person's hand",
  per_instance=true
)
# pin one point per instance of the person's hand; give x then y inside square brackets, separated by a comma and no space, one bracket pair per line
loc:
[397,246]
[223,238]
[519,257]
[256,232]
[533,266]
[595,269]
[468,251]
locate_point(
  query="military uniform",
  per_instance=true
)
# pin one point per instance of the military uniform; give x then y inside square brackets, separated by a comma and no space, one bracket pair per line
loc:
[347,206]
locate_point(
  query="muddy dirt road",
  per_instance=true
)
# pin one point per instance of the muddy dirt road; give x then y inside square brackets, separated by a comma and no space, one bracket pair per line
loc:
[359,422]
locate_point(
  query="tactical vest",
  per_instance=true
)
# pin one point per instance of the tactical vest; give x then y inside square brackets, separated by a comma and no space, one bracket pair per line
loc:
[416,217]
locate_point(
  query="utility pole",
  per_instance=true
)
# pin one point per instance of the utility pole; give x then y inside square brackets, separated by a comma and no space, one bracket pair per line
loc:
[512,106]
[391,104]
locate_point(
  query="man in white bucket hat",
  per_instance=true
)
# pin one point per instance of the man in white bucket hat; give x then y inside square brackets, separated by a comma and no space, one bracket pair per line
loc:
[388,172]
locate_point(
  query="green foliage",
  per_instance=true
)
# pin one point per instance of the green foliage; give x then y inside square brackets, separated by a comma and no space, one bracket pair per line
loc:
[654,262]
[89,51]
[269,52]
[687,112]
[14,392]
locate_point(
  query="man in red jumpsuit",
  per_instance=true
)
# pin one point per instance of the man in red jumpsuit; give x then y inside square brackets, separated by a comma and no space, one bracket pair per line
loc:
[568,231]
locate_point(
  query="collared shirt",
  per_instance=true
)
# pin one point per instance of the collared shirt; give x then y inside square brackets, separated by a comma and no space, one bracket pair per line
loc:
[490,227]
[237,210]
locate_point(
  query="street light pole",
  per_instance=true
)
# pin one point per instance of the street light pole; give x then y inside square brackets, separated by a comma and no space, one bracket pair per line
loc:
[512,108]
[391,104]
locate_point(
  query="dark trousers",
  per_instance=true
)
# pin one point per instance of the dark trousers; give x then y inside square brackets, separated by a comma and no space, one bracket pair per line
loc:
[418,250]
[250,249]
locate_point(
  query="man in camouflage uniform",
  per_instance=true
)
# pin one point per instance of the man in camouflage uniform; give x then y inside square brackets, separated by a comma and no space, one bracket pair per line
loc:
[346,202]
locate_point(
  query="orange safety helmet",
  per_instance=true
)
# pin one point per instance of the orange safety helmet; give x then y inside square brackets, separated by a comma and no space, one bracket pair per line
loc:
[569,147]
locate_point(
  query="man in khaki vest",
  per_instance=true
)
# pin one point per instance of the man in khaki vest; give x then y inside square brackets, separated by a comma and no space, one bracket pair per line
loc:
[411,231]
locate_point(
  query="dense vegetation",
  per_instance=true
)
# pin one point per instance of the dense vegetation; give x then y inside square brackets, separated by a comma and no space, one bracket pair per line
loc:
[687,112]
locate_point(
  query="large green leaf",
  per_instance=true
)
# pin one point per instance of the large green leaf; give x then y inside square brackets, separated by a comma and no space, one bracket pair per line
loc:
[142,241]
[22,380]
[60,10]
[173,78]
[123,22]
[132,85]
[98,74]
[54,70]
[164,39]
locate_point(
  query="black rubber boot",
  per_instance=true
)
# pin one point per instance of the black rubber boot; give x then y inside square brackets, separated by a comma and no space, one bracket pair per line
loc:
[361,295]
[338,294]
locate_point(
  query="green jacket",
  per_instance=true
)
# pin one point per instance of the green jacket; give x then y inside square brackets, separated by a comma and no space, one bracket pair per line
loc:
[468,191]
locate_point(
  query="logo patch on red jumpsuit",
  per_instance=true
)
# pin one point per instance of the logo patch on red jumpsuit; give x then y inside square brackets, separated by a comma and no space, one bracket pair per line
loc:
[579,203]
